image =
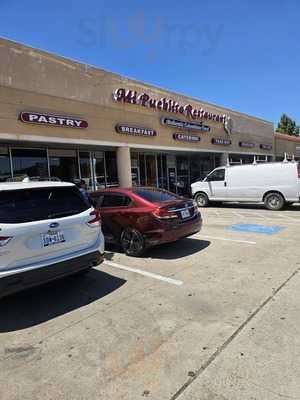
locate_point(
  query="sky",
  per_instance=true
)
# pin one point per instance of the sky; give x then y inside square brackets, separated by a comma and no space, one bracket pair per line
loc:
[241,54]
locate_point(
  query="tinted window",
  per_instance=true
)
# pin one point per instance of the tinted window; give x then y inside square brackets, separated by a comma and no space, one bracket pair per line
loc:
[218,175]
[31,162]
[110,200]
[26,205]
[156,195]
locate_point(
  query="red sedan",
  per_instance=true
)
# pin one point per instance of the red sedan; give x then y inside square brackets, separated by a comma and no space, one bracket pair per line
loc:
[142,217]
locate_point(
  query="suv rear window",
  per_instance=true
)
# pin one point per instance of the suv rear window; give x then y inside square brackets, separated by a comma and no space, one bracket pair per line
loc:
[156,195]
[27,205]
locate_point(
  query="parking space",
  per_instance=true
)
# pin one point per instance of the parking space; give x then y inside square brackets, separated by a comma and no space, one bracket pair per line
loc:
[164,325]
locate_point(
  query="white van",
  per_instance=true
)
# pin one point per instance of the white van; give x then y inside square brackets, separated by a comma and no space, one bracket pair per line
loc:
[275,184]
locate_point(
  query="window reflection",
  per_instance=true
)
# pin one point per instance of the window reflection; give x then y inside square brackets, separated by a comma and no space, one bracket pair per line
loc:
[99,169]
[30,162]
[63,164]
[4,164]
[111,169]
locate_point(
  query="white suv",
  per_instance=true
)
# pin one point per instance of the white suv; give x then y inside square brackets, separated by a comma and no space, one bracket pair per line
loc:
[47,230]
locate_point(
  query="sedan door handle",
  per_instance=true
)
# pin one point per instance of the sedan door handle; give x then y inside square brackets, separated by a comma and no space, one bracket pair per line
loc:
[225,183]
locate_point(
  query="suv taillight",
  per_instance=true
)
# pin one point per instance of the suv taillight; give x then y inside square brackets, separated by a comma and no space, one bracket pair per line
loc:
[96,218]
[163,213]
[4,240]
[298,170]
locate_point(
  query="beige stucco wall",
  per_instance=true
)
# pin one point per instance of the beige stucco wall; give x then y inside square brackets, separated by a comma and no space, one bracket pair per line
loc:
[32,80]
[286,144]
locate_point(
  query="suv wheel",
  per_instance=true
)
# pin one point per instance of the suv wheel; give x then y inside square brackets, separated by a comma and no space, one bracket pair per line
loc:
[132,242]
[201,199]
[274,201]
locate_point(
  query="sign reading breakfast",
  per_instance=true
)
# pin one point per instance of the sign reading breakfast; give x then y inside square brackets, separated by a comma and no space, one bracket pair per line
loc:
[134,130]
[132,97]
[54,120]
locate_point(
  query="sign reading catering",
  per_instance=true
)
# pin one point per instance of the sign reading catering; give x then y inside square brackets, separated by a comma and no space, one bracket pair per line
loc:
[132,97]
[176,123]
[186,138]
[54,120]
[133,130]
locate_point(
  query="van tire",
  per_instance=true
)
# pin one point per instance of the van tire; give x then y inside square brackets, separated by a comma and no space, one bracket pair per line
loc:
[274,201]
[201,199]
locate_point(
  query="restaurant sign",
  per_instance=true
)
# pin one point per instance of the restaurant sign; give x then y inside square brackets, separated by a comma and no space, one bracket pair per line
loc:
[122,95]
[136,131]
[266,146]
[176,123]
[249,145]
[186,138]
[221,141]
[52,120]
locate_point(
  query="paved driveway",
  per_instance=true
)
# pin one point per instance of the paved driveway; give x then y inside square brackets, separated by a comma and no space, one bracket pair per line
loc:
[215,316]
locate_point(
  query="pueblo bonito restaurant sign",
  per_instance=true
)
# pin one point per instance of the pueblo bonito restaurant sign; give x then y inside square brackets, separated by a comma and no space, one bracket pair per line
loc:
[133,130]
[54,120]
[132,97]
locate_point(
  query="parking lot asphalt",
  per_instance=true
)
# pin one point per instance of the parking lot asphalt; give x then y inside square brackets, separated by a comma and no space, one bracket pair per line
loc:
[211,317]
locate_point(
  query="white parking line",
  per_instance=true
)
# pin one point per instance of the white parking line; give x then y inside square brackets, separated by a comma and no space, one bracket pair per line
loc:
[226,239]
[144,273]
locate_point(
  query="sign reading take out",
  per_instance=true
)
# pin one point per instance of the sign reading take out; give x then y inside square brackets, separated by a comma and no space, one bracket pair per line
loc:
[54,120]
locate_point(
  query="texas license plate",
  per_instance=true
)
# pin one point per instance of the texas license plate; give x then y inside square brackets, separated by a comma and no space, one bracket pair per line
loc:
[185,213]
[49,239]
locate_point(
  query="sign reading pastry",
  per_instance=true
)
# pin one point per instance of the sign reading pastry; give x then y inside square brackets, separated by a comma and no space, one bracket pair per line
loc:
[265,146]
[54,120]
[186,138]
[132,97]
[221,141]
[136,131]
[176,123]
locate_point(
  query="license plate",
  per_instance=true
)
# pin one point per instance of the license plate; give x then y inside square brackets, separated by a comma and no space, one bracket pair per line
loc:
[49,239]
[185,214]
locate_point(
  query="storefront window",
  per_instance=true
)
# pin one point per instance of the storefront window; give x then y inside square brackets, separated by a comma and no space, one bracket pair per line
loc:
[183,178]
[151,170]
[99,169]
[5,172]
[142,169]
[111,169]
[201,165]
[135,170]
[241,159]
[85,168]
[162,171]
[64,164]
[29,162]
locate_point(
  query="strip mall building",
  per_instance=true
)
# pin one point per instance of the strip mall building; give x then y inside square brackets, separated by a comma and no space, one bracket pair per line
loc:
[64,119]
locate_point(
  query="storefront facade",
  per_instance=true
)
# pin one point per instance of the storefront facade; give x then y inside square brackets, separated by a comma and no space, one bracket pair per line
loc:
[69,121]
[287,147]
